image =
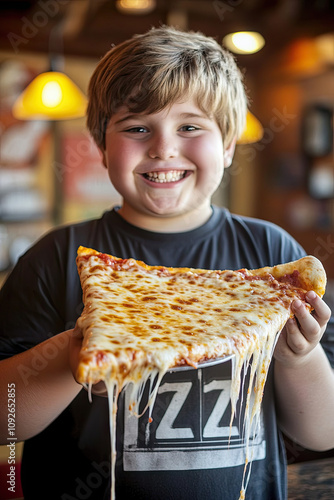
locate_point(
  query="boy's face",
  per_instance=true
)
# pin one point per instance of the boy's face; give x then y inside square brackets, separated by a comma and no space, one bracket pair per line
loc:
[166,165]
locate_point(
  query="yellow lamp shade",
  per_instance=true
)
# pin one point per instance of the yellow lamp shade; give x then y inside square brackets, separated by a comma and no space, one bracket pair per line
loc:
[50,96]
[253,131]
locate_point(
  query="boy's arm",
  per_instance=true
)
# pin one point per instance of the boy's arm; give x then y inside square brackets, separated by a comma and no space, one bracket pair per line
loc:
[304,379]
[41,382]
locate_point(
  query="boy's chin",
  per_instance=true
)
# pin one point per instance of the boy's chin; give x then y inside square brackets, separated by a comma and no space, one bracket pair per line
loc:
[165,208]
[171,212]
[193,215]
[167,220]
[175,206]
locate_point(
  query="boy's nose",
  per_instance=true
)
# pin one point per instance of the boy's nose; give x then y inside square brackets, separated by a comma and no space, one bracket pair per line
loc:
[161,148]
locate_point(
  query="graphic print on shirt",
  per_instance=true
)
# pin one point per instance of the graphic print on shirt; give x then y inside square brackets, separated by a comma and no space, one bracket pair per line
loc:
[191,425]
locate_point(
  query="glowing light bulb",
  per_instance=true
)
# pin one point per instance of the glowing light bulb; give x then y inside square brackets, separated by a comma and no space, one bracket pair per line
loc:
[244,42]
[52,94]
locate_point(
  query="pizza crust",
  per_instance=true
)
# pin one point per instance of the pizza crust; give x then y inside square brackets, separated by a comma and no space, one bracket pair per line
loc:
[310,270]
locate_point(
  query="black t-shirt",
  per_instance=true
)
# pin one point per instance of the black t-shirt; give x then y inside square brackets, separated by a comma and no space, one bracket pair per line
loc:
[185,453]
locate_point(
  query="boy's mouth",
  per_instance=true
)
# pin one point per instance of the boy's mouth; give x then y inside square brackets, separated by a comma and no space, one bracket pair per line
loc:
[161,177]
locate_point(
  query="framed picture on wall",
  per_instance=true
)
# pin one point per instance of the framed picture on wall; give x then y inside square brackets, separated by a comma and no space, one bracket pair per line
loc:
[317,130]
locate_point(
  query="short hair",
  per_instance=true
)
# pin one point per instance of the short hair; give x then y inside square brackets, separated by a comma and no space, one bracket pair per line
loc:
[151,71]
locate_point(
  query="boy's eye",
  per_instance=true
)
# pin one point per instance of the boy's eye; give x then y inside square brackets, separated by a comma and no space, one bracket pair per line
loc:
[188,128]
[136,130]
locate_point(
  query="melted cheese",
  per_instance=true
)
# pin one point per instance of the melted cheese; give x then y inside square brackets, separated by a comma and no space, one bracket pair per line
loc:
[140,321]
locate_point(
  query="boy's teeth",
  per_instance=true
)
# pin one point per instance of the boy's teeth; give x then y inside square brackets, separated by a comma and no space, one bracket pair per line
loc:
[171,176]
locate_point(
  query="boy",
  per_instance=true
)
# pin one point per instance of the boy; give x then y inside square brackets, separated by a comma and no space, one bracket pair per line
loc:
[165,108]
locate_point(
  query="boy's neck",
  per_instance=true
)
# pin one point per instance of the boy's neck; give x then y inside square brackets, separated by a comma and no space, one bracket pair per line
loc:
[173,224]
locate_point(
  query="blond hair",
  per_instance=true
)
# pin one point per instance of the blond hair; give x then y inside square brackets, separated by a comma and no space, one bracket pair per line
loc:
[151,71]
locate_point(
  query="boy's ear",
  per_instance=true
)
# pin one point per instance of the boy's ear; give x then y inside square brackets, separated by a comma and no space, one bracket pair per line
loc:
[229,152]
[103,157]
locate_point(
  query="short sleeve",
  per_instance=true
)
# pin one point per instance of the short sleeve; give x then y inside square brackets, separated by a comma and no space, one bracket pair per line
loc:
[29,300]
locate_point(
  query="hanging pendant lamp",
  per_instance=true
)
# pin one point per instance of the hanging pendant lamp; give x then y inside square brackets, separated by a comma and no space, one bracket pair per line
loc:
[50,96]
[253,131]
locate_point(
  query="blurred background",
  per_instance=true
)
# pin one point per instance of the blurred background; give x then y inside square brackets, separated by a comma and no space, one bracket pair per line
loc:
[51,172]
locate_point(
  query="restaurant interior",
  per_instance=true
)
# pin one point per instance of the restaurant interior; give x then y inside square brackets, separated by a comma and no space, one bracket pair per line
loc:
[51,172]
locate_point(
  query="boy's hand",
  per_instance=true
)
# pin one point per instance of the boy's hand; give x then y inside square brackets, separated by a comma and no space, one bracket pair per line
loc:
[75,346]
[302,333]
[76,338]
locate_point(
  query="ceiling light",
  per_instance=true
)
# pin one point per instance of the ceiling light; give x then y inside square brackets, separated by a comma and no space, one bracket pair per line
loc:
[325,46]
[50,96]
[135,6]
[244,42]
[253,131]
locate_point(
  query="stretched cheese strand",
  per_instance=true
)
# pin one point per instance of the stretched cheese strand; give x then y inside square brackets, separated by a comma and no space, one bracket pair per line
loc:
[112,389]
[261,358]
[154,377]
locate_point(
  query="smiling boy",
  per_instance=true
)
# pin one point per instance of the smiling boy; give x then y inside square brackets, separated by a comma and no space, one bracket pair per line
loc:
[166,109]
[159,162]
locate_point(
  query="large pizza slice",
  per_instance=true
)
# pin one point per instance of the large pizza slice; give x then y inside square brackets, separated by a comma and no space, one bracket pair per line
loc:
[140,321]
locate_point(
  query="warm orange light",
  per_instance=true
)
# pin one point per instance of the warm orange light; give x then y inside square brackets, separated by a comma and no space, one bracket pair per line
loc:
[253,131]
[50,96]
[302,58]
[135,6]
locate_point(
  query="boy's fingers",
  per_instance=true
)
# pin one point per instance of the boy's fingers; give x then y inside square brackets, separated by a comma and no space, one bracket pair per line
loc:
[311,325]
[322,312]
[295,340]
[75,347]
